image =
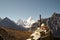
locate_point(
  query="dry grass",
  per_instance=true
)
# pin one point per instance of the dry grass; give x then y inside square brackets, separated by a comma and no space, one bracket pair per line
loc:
[17,34]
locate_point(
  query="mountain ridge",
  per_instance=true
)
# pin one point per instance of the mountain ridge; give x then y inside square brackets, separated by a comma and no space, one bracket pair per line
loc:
[6,22]
[26,23]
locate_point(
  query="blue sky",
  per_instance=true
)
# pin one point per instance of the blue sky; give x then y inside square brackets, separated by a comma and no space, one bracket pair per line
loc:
[23,9]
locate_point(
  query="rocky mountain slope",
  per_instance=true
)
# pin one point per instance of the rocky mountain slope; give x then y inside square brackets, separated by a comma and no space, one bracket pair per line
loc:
[54,23]
[6,22]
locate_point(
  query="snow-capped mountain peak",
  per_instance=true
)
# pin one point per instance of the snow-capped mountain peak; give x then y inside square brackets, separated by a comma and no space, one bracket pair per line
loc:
[26,23]
[30,20]
[20,22]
